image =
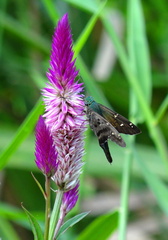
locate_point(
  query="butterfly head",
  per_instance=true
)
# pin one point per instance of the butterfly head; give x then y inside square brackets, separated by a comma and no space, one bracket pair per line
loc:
[89,100]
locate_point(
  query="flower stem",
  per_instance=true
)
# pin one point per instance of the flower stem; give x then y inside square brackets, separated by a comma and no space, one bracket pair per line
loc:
[55,213]
[47,208]
[60,222]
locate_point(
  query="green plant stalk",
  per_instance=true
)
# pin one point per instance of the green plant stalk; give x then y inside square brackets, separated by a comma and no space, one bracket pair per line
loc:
[138,53]
[55,213]
[47,207]
[51,9]
[125,192]
[157,185]
[59,223]
[162,110]
[87,30]
[149,117]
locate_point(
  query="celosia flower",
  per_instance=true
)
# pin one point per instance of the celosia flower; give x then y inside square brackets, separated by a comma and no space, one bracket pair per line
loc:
[69,200]
[46,156]
[64,108]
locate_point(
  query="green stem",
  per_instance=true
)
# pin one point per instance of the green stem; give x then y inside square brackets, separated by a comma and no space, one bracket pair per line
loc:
[161,111]
[51,9]
[60,222]
[55,213]
[87,30]
[47,209]
[125,195]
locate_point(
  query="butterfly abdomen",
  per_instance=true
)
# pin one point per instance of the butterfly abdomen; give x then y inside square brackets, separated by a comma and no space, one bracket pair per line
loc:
[105,147]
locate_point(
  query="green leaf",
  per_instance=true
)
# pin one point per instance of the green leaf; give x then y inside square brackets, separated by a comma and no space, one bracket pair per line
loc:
[71,222]
[38,234]
[126,179]
[14,214]
[138,53]
[86,5]
[101,228]
[7,230]
[23,131]
[157,186]
[51,9]
[39,185]
[87,30]
[162,109]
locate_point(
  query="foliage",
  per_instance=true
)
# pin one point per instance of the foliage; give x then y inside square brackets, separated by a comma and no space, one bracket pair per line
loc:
[136,84]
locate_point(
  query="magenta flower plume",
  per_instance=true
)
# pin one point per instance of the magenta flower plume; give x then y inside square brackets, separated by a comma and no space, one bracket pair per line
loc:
[63,103]
[46,156]
[64,108]
[69,199]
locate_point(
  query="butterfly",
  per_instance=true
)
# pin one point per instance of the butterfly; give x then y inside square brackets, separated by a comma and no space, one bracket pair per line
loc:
[108,124]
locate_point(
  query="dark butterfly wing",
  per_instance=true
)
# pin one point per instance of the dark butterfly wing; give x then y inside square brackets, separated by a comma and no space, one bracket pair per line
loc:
[104,131]
[122,124]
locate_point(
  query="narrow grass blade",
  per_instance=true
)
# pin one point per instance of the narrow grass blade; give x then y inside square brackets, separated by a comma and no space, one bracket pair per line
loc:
[86,5]
[23,131]
[52,10]
[156,185]
[127,169]
[138,54]
[161,111]
[87,30]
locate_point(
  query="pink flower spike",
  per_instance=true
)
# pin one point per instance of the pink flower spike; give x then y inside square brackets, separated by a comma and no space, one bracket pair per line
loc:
[46,156]
[70,198]
[64,108]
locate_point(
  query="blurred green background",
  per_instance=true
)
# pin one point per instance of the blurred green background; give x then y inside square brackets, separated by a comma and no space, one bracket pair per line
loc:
[26,29]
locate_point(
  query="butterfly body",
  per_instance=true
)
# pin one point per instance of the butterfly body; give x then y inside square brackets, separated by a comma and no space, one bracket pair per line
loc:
[107,124]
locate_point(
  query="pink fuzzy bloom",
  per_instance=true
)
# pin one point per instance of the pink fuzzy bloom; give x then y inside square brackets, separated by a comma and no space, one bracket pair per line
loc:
[46,155]
[69,199]
[64,108]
